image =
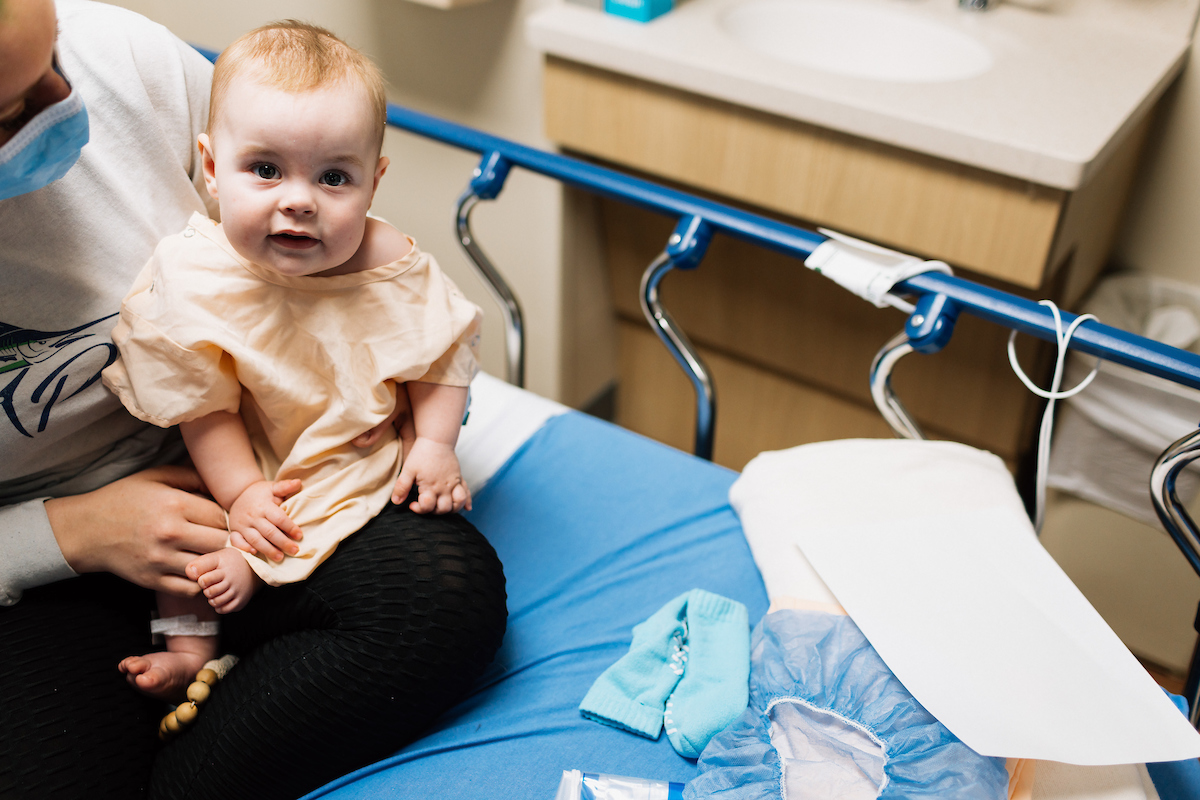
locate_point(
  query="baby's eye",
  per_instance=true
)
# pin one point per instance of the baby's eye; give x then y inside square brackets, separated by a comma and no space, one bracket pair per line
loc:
[334,178]
[267,172]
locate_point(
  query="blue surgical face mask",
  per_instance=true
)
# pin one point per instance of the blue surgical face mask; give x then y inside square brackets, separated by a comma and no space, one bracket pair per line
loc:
[45,147]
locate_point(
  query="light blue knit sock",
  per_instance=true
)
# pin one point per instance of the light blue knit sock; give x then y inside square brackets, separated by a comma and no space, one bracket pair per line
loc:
[715,686]
[632,692]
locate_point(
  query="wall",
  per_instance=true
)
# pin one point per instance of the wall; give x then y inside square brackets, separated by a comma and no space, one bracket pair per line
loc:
[470,65]
[1161,233]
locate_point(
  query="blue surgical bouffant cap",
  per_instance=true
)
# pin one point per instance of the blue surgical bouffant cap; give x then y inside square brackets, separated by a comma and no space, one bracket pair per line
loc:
[827,718]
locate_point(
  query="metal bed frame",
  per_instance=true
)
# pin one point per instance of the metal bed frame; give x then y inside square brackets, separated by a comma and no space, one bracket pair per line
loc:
[939,300]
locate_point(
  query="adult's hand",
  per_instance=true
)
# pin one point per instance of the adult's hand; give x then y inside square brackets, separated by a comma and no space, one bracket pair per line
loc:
[401,418]
[146,528]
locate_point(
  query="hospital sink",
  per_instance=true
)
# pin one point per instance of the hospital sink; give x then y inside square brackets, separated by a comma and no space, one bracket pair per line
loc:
[1032,89]
[850,38]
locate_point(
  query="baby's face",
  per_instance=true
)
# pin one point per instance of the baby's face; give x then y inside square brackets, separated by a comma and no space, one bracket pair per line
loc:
[294,174]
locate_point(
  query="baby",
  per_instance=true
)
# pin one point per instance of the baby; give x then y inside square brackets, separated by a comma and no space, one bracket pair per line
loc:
[282,341]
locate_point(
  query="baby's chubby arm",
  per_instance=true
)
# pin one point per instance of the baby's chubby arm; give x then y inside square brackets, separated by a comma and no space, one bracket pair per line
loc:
[431,465]
[220,449]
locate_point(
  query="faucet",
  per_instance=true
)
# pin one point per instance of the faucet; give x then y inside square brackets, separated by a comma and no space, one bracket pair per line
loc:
[976,5]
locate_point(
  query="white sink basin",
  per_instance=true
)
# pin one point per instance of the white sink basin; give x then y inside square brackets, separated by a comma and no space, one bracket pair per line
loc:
[1043,95]
[846,38]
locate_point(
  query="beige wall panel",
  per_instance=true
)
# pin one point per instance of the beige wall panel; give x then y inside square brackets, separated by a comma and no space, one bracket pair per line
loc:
[1161,233]
[756,410]
[989,223]
[769,310]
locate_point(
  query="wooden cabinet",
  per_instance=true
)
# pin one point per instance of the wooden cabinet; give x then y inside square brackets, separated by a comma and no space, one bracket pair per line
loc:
[772,329]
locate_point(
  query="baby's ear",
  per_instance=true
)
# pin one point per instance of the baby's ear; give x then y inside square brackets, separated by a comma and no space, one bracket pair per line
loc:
[208,164]
[380,168]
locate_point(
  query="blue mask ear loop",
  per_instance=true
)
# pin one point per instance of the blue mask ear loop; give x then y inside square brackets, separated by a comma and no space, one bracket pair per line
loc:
[1052,396]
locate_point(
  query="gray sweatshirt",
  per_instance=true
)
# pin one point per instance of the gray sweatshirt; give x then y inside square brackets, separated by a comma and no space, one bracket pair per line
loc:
[68,254]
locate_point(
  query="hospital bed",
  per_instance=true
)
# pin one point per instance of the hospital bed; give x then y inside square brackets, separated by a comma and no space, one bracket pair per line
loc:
[598,527]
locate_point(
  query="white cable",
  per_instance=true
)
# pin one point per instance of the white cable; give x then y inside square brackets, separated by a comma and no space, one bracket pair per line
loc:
[900,303]
[1063,339]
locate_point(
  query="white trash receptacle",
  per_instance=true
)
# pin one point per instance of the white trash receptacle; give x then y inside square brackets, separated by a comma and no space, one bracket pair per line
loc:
[1107,437]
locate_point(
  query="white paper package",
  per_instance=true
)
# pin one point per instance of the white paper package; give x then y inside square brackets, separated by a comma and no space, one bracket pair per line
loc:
[927,546]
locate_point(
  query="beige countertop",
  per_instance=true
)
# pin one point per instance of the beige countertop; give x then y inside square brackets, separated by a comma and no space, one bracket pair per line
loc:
[1068,78]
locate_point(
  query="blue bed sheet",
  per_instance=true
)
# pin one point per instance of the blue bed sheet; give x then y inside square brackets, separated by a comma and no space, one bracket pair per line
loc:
[1176,780]
[597,528]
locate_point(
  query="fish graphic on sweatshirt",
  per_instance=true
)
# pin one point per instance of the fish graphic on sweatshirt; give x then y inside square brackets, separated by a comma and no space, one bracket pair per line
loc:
[40,369]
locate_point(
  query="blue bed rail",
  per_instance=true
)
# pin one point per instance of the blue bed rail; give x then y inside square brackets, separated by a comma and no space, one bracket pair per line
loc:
[939,299]
[1026,316]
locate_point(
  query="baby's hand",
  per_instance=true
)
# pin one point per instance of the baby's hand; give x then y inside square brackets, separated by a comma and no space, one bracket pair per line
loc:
[258,525]
[433,468]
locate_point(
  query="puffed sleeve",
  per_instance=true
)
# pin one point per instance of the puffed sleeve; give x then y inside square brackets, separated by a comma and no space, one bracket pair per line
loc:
[458,365]
[461,319]
[161,379]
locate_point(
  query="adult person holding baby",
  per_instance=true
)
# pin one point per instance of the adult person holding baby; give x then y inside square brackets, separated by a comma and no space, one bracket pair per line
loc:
[100,110]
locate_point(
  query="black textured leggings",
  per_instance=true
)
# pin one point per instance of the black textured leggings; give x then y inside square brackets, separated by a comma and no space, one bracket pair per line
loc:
[336,672]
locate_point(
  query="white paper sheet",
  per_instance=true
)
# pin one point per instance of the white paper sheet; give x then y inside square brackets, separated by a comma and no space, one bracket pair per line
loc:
[926,545]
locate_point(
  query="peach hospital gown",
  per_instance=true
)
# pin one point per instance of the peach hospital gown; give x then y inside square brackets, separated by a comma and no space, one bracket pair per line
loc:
[310,362]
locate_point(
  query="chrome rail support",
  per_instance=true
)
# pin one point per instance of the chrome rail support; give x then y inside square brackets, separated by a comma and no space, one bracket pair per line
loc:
[685,355]
[881,388]
[1182,529]
[1171,512]
[684,250]
[927,330]
[486,185]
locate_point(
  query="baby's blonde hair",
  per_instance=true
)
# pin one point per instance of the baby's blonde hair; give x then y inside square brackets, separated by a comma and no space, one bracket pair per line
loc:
[296,57]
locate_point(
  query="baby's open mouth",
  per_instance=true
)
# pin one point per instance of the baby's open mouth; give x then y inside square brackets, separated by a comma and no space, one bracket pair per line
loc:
[294,241]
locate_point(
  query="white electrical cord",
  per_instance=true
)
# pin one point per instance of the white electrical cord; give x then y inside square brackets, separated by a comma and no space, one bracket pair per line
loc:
[1052,395]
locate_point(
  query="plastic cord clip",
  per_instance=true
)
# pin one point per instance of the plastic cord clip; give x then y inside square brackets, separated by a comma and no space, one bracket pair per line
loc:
[868,270]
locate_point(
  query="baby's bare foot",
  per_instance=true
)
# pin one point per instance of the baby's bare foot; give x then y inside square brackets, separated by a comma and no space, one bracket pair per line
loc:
[163,675]
[225,578]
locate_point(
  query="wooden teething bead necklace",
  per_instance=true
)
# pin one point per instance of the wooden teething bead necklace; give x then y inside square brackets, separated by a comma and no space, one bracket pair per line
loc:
[197,694]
